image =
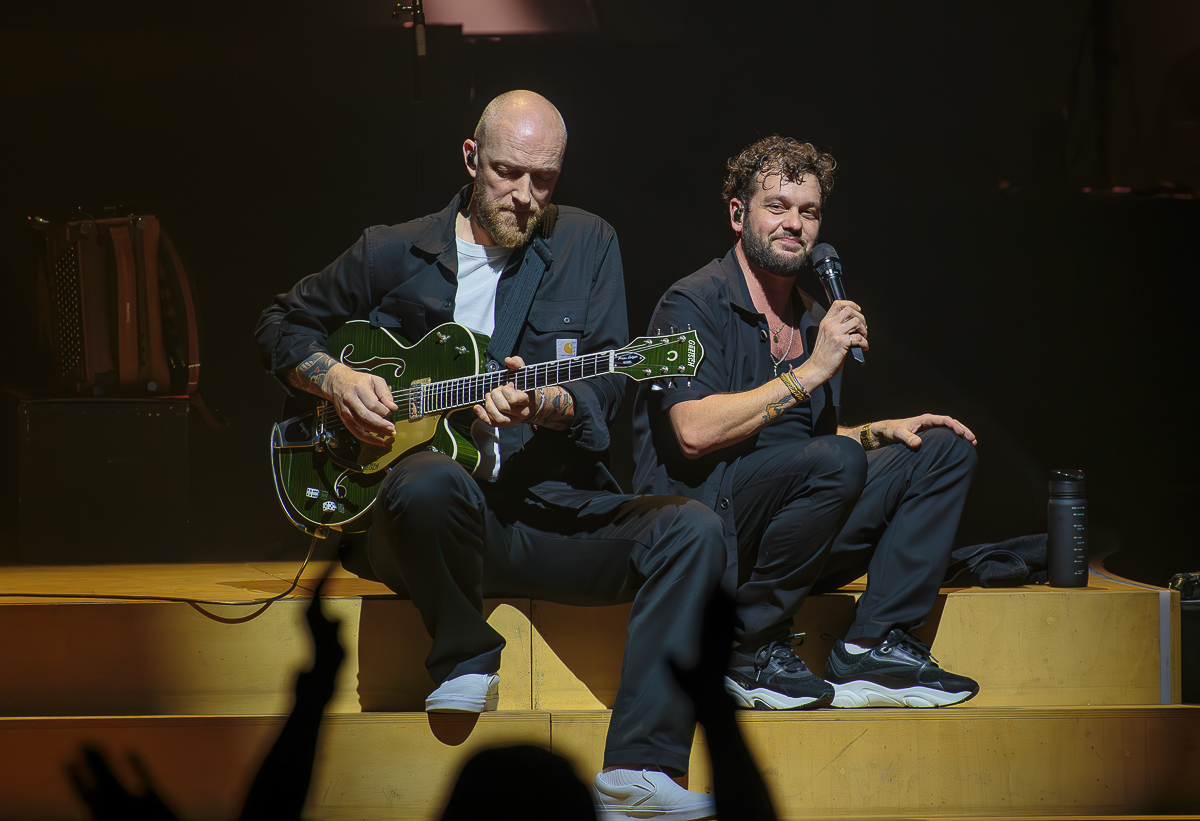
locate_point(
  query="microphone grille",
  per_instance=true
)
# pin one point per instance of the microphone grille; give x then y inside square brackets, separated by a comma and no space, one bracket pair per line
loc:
[823,252]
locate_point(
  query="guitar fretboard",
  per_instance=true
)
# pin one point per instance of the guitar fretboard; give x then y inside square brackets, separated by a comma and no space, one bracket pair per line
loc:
[472,390]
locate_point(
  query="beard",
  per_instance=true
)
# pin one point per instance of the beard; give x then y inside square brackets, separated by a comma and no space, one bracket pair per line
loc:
[780,263]
[503,224]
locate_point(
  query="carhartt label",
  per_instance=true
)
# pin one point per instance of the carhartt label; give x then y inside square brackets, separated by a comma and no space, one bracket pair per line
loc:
[566,348]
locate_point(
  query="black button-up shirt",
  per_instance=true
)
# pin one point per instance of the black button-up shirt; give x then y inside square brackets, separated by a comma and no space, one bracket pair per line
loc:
[737,357]
[405,277]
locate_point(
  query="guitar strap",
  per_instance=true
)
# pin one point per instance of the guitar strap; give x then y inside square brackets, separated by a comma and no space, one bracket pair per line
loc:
[537,261]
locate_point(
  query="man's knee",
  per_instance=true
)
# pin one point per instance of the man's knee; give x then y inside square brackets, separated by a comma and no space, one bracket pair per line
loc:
[946,447]
[427,483]
[842,465]
[696,535]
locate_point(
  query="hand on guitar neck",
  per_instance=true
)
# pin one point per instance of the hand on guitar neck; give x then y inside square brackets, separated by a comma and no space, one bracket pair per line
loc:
[506,406]
[363,401]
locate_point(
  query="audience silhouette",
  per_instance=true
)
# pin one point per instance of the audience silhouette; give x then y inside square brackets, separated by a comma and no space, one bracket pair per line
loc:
[492,784]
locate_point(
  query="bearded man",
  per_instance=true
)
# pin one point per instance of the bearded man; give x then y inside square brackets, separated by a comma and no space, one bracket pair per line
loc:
[808,504]
[541,517]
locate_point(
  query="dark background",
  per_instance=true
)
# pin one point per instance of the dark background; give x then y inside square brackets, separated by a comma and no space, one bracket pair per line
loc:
[979,145]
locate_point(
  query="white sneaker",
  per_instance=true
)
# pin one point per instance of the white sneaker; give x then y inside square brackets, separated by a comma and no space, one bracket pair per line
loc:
[472,693]
[647,794]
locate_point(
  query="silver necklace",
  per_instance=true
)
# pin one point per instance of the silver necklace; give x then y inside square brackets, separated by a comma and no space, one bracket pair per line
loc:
[791,338]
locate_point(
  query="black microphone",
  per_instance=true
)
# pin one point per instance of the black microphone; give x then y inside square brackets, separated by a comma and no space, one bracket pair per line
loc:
[829,268]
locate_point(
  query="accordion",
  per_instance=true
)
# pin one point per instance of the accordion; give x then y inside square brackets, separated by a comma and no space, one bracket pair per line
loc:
[117,309]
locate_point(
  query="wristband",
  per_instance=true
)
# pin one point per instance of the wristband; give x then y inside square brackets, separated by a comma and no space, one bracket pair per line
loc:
[794,387]
[868,440]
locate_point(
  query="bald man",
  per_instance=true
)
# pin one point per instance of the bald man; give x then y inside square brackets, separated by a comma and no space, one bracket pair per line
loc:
[540,517]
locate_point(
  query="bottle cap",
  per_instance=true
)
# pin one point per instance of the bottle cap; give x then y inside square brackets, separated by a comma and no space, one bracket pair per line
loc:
[1067,483]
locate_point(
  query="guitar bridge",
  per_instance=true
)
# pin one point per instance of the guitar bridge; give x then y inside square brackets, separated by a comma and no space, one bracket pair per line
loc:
[416,399]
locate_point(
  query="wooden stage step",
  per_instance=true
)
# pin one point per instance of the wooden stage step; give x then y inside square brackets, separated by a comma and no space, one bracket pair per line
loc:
[1081,762]
[1113,643]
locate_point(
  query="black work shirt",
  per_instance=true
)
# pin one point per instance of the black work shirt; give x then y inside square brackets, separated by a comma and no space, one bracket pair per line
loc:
[737,357]
[405,277]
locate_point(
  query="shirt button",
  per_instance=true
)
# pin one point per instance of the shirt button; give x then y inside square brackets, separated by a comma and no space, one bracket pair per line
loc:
[566,320]
[762,335]
[724,504]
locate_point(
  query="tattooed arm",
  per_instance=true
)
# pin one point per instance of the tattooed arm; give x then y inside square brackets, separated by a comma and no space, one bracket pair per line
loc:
[506,406]
[312,374]
[362,401]
[558,411]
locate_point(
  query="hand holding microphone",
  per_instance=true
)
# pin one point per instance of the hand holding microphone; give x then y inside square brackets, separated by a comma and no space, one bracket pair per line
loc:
[829,269]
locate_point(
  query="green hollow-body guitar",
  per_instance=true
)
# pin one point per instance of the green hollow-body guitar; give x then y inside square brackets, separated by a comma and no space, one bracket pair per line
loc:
[326,479]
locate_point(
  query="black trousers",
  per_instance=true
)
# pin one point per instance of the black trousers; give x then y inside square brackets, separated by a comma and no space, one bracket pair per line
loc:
[818,515]
[439,537]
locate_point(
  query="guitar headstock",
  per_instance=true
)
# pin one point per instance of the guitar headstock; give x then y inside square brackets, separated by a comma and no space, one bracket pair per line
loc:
[660,357]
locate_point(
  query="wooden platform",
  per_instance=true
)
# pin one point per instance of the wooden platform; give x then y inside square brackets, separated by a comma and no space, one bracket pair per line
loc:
[1070,721]
[1108,644]
[1078,762]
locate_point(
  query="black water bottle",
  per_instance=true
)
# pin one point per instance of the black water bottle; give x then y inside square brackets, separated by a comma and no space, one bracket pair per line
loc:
[1066,530]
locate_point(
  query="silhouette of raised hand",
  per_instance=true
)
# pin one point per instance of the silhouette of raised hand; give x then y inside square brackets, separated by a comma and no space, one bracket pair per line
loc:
[738,786]
[281,786]
[108,798]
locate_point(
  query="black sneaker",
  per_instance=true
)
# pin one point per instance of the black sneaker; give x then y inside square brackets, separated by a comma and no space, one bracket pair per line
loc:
[899,672]
[772,678]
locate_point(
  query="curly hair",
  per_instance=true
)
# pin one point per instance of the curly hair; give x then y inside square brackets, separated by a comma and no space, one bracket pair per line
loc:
[789,158]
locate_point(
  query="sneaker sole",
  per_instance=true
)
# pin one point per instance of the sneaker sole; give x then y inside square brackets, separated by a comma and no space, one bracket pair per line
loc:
[867,694]
[461,705]
[626,813]
[765,699]
[464,702]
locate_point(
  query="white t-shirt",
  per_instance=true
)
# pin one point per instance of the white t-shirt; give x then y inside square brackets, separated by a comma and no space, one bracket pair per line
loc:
[479,269]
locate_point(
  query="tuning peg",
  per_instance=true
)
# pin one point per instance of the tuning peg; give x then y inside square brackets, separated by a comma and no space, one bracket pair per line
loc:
[658,331]
[673,329]
[689,327]
[689,384]
[671,384]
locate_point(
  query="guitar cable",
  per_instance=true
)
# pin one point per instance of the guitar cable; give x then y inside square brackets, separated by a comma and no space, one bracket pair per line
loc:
[263,602]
